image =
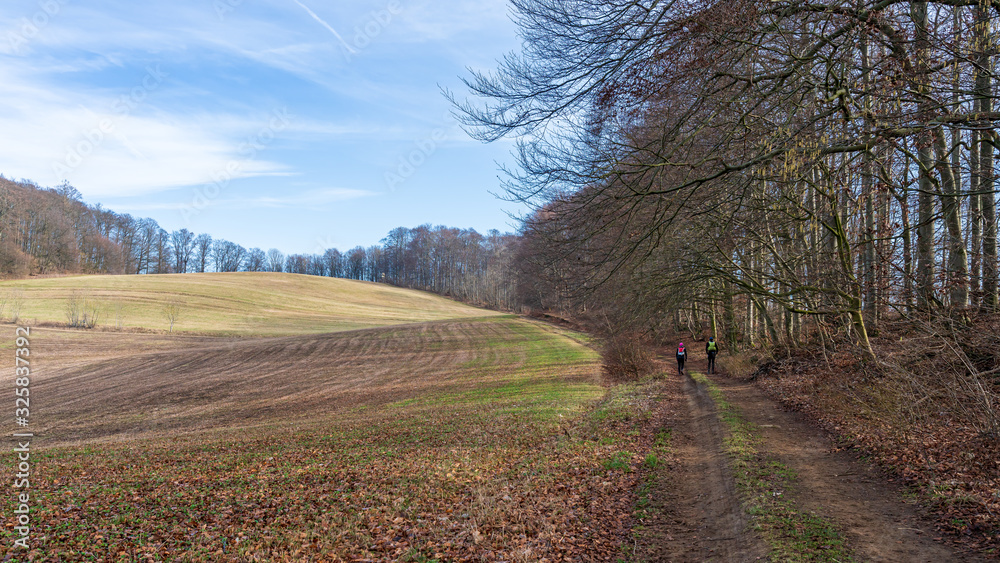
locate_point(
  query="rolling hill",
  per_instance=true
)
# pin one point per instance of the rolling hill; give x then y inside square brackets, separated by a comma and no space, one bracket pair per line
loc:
[274,429]
[239,303]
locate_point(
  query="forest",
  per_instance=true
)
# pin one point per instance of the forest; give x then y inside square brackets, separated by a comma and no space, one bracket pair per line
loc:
[52,231]
[772,168]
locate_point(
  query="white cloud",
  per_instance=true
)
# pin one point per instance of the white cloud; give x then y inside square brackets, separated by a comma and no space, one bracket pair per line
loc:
[311,198]
[122,144]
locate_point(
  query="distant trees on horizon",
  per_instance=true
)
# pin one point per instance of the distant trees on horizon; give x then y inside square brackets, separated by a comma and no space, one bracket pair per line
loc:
[50,230]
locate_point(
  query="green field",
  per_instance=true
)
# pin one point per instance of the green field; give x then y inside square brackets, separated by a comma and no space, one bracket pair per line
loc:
[244,303]
[479,437]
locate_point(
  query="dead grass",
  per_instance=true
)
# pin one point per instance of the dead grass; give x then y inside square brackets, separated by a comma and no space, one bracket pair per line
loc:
[238,303]
[928,409]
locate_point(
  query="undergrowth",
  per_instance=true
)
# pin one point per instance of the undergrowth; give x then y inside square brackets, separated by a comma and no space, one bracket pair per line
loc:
[927,408]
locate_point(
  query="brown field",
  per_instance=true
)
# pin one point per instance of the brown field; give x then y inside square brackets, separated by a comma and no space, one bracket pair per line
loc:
[102,386]
[482,439]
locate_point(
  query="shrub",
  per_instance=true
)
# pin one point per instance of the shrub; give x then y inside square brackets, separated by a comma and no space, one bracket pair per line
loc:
[625,356]
[82,311]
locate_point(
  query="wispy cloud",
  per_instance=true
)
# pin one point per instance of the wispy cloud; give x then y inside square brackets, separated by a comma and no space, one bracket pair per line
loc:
[327,26]
[310,198]
[111,146]
[430,20]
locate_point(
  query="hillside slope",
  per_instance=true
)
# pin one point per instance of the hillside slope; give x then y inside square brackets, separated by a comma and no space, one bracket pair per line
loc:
[238,303]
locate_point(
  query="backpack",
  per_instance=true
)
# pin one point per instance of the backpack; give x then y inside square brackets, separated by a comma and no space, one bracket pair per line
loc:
[713,346]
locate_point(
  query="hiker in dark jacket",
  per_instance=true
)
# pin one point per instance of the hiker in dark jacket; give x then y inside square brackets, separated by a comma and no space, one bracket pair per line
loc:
[711,348]
[681,356]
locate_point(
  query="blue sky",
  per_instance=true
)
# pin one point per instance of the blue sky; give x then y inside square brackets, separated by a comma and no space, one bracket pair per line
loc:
[295,124]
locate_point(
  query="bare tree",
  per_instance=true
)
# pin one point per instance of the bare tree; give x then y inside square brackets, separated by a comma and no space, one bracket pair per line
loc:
[183,244]
[227,256]
[297,264]
[202,251]
[172,312]
[275,260]
[119,310]
[334,263]
[16,302]
[255,260]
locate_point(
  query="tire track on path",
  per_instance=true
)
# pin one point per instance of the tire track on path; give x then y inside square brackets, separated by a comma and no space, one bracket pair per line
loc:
[700,517]
[856,497]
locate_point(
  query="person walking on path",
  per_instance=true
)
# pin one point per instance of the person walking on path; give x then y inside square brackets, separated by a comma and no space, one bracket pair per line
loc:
[711,348]
[681,356]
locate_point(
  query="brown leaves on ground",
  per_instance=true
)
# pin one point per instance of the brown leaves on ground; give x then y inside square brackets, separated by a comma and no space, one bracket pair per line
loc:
[463,485]
[518,459]
[909,422]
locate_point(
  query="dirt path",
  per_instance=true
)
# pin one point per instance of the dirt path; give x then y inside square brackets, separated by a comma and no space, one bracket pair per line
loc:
[697,514]
[858,498]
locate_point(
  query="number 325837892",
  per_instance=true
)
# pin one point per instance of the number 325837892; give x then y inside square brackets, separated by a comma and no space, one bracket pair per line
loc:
[22,371]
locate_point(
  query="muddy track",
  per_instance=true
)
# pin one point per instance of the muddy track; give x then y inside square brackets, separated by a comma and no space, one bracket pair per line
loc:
[856,497]
[699,513]
[721,520]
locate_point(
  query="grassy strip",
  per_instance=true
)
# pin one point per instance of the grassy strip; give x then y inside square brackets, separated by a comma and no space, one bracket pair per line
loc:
[644,509]
[629,408]
[792,534]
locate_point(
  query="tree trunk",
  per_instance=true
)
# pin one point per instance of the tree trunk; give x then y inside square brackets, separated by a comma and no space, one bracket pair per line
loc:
[975,219]
[854,304]
[729,317]
[907,234]
[958,262]
[867,179]
[925,200]
[984,48]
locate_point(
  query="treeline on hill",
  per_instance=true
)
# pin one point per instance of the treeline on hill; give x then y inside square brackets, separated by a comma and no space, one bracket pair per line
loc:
[53,231]
[794,174]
